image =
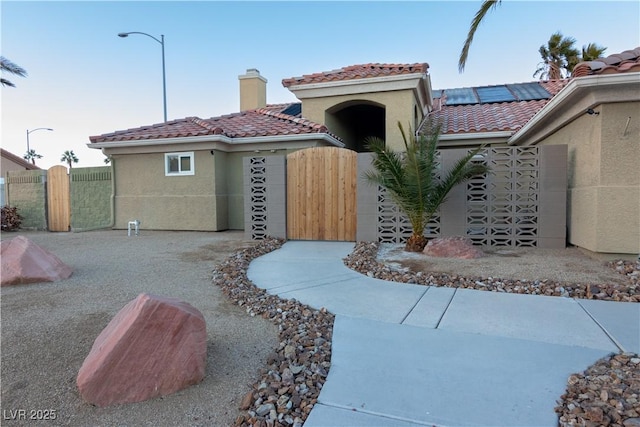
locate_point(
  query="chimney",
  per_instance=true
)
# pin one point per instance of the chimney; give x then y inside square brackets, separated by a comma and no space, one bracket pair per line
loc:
[253,90]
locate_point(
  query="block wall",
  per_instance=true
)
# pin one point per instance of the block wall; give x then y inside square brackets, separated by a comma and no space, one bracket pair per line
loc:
[91,192]
[26,190]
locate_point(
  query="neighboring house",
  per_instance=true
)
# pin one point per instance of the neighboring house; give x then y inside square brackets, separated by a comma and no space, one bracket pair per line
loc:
[187,174]
[10,162]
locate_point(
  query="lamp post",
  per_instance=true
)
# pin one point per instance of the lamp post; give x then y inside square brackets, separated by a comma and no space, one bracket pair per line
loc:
[164,78]
[31,131]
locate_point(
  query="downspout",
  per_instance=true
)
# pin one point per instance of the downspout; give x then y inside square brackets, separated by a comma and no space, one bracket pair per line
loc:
[113,194]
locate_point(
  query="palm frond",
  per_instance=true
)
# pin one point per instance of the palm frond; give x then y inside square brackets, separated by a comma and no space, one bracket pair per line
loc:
[11,68]
[411,177]
[462,171]
[486,6]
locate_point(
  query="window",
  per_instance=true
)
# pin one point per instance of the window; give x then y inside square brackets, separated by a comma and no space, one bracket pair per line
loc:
[179,164]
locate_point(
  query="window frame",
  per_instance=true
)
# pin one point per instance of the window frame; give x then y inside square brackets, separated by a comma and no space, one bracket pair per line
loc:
[180,155]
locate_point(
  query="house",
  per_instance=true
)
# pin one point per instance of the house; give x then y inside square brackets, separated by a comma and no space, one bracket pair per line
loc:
[10,162]
[187,174]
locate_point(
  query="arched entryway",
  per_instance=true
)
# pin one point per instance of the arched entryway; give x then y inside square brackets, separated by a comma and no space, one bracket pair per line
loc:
[354,121]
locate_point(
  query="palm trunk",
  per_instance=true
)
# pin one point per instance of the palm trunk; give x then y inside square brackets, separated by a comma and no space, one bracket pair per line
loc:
[416,243]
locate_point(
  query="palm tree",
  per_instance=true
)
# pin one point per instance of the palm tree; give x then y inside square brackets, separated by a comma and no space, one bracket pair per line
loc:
[32,155]
[411,179]
[486,6]
[592,52]
[69,157]
[10,67]
[558,57]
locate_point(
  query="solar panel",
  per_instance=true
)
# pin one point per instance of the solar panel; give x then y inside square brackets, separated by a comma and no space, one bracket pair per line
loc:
[529,91]
[437,93]
[293,109]
[492,94]
[461,96]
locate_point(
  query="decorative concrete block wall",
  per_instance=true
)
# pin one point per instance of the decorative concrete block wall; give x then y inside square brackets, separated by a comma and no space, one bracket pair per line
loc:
[265,209]
[91,191]
[521,203]
[26,190]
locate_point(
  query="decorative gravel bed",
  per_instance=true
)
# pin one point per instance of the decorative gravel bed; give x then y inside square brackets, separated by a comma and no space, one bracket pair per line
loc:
[291,382]
[606,394]
[363,259]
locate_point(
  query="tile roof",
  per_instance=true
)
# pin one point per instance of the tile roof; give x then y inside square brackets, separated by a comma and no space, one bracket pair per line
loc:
[489,117]
[355,72]
[623,62]
[268,121]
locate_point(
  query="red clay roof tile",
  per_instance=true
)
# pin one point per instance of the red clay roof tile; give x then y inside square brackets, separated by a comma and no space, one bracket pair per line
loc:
[354,72]
[623,62]
[268,121]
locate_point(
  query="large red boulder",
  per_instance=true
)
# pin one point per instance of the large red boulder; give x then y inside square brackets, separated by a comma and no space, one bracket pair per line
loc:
[153,347]
[25,262]
[452,247]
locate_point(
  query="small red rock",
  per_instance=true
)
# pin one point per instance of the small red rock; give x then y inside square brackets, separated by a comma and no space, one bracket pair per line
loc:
[153,347]
[452,247]
[25,262]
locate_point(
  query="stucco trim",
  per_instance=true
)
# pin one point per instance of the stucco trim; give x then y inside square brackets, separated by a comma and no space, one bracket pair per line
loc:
[546,122]
[476,135]
[474,139]
[221,142]
[358,86]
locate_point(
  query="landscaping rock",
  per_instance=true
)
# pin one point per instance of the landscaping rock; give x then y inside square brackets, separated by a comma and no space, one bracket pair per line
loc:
[25,262]
[607,393]
[452,247]
[153,347]
[296,371]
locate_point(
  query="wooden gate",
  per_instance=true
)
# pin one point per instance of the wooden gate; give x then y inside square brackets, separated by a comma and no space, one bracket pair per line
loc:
[59,212]
[321,194]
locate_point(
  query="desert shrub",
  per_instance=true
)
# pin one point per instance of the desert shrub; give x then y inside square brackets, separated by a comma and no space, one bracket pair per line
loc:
[11,219]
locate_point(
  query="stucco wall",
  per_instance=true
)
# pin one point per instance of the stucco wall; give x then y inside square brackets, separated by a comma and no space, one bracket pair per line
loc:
[7,165]
[604,178]
[162,202]
[399,106]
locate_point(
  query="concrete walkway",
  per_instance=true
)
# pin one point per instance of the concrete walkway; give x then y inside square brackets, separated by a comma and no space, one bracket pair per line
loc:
[411,355]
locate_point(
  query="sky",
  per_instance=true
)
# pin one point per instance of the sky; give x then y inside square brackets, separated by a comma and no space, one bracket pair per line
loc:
[84,80]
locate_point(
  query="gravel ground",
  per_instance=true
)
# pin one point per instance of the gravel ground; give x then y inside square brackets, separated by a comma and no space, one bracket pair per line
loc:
[49,328]
[289,383]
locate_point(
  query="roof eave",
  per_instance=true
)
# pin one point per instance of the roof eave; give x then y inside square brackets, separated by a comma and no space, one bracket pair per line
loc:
[464,139]
[355,86]
[224,141]
[570,95]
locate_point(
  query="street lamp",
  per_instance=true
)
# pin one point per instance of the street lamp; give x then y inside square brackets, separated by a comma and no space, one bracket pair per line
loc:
[31,131]
[164,78]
